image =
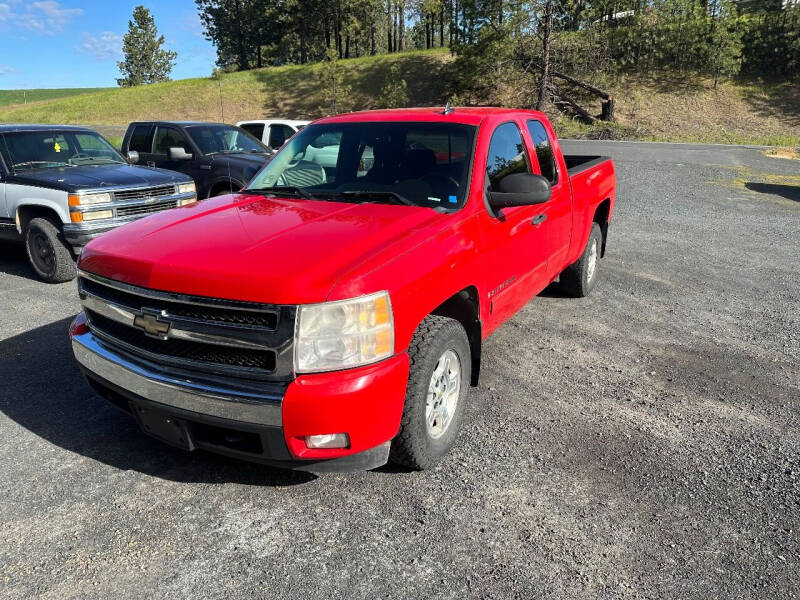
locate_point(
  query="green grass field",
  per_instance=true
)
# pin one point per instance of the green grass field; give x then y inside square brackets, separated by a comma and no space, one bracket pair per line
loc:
[9,97]
[658,106]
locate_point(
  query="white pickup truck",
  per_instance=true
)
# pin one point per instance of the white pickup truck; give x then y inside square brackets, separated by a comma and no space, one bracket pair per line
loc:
[272,132]
[61,186]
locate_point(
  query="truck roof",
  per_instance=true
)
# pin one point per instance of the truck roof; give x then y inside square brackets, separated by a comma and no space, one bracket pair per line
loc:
[270,121]
[470,115]
[7,127]
[178,123]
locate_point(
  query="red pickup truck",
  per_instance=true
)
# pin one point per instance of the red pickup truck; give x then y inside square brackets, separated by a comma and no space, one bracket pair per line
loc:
[330,316]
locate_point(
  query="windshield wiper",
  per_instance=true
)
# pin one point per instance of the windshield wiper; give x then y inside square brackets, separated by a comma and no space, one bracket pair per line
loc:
[281,189]
[398,198]
[30,163]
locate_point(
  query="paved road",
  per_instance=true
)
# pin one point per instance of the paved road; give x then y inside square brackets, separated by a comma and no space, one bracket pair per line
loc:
[641,443]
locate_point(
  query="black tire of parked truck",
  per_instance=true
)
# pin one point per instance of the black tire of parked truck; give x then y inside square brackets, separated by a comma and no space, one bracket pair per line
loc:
[580,277]
[440,373]
[48,253]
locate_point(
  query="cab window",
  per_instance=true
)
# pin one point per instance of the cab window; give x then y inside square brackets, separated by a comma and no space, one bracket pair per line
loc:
[166,138]
[254,129]
[544,151]
[506,154]
[278,134]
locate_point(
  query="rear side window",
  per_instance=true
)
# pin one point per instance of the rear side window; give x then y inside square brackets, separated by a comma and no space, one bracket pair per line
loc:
[255,129]
[138,141]
[544,151]
[506,154]
[278,134]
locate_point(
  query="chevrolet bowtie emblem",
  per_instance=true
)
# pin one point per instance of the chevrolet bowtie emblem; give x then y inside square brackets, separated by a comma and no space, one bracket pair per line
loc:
[149,323]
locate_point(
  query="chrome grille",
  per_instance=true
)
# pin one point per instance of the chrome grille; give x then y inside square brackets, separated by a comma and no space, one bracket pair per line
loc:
[144,209]
[143,193]
[228,338]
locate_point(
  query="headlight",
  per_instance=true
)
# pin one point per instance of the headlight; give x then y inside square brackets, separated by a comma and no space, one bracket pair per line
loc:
[344,334]
[87,199]
[187,188]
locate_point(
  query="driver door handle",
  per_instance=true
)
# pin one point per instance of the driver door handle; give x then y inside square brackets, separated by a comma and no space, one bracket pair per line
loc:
[539,219]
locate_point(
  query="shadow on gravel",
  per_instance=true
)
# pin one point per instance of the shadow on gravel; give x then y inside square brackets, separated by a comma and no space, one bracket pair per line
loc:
[14,261]
[790,192]
[42,390]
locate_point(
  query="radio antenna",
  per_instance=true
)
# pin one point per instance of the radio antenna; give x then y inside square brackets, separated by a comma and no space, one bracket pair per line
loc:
[447,108]
[221,108]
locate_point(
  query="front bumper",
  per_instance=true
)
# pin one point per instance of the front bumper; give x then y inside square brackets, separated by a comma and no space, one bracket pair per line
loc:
[78,235]
[267,423]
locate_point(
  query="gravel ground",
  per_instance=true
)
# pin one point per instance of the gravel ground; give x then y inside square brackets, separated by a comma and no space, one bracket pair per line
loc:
[640,443]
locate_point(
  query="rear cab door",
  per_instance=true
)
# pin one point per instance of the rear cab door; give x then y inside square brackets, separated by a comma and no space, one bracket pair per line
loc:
[555,216]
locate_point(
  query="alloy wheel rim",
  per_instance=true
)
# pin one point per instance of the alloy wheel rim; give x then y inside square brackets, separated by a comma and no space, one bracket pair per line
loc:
[443,392]
[591,265]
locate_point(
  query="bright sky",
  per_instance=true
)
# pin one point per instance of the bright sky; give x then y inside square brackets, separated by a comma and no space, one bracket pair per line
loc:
[77,43]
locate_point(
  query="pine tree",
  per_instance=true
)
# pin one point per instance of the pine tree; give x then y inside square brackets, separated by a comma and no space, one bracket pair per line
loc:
[336,95]
[145,61]
[393,94]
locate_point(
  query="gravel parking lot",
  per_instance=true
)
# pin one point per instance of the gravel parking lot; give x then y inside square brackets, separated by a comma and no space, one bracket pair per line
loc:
[640,443]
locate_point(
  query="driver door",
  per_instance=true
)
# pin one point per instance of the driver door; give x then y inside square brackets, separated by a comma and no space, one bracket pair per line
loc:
[514,248]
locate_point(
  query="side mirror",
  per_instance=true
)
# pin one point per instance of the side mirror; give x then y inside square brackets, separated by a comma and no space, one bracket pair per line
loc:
[133,157]
[519,189]
[179,154]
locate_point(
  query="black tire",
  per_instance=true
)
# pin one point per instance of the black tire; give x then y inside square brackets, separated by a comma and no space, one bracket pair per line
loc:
[415,447]
[48,253]
[579,278]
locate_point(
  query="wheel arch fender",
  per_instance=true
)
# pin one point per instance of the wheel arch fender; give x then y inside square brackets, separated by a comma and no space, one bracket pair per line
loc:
[29,208]
[225,182]
[602,215]
[464,307]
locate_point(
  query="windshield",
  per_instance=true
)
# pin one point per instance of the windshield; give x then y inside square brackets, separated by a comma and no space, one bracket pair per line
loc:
[53,149]
[218,139]
[424,164]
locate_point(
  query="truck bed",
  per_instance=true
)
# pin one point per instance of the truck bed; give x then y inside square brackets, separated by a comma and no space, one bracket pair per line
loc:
[580,162]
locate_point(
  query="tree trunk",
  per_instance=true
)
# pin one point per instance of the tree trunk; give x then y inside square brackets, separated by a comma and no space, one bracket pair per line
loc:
[441,25]
[545,77]
[303,43]
[244,64]
[402,24]
[389,26]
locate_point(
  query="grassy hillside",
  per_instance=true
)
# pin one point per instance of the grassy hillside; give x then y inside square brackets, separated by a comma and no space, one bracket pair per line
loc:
[11,97]
[664,106]
[290,92]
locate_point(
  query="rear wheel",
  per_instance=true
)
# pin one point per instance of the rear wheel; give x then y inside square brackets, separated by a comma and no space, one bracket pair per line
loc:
[49,254]
[580,277]
[436,396]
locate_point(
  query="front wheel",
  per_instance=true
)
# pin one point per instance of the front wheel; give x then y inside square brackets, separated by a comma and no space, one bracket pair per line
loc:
[49,254]
[436,396]
[580,277]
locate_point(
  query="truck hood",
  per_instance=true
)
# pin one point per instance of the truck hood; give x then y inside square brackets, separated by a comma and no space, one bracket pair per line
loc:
[248,247]
[72,179]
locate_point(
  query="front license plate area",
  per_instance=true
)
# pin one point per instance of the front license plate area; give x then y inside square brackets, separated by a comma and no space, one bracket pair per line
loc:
[162,426]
